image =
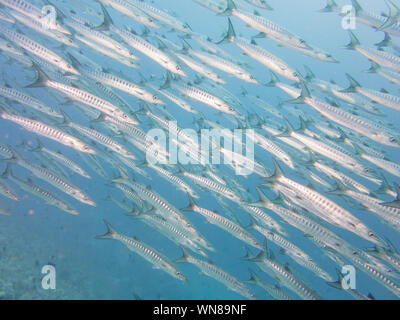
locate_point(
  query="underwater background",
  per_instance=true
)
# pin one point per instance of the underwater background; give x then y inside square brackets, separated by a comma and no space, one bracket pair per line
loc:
[35,234]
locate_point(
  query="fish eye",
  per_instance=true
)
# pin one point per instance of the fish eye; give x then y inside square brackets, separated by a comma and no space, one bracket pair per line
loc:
[155,97]
[178,68]
[371,234]
[393,140]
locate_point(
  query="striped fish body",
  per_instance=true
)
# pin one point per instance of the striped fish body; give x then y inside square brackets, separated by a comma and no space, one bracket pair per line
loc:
[49,132]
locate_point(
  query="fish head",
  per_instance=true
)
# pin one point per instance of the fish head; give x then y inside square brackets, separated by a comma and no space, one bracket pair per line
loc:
[58,27]
[88,149]
[370,174]
[370,235]
[178,70]
[394,142]
[69,68]
[327,57]
[179,275]
[156,100]
[251,79]
[85,199]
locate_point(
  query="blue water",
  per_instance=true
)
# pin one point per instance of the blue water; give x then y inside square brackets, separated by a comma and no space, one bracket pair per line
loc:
[36,234]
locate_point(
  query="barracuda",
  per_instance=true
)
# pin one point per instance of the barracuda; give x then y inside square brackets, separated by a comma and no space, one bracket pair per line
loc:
[142,45]
[7,46]
[343,178]
[390,215]
[179,183]
[28,101]
[338,92]
[389,166]
[266,27]
[32,12]
[124,204]
[381,278]
[116,82]
[325,208]
[222,64]
[344,159]
[37,49]
[137,137]
[97,137]
[211,185]
[274,149]
[162,16]
[223,223]
[100,38]
[382,58]
[148,253]
[38,27]
[261,55]
[170,125]
[264,219]
[389,255]
[381,97]
[288,247]
[167,210]
[129,62]
[390,75]
[6,190]
[346,119]
[169,230]
[268,264]
[48,176]
[198,94]
[132,195]
[275,292]
[377,21]
[58,156]
[80,95]
[6,151]
[5,17]
[47,132]
[309,227]
[170,96]
[218,274]
[131,11]
[200,68]
[30,187]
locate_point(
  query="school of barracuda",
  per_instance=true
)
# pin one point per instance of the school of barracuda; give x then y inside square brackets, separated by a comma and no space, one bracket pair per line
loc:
[335,156]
